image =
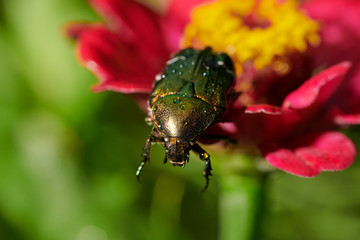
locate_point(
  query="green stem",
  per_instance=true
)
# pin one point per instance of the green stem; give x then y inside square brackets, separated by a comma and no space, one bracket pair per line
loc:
[240,204]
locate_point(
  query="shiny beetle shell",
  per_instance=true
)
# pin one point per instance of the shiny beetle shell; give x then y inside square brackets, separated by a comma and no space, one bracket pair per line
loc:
[189,96]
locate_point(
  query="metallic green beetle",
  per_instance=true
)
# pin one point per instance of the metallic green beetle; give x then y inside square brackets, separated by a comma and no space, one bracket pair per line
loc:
[188,97]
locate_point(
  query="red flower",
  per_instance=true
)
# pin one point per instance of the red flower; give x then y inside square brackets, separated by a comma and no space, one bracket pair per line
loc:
[132,46]
[291,118]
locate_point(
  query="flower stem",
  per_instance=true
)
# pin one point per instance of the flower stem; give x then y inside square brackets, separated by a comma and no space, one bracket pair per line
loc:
[240,204]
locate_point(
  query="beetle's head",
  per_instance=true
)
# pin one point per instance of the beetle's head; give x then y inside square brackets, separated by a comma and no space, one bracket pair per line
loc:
[177,151]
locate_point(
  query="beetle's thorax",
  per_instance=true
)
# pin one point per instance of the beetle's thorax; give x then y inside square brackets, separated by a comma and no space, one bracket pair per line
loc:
[182,117]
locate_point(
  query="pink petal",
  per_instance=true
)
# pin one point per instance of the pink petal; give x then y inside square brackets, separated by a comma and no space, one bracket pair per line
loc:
[118,64]
[340,37]
[264,108]
[340,32]
[347,119]
[318,88]
[348,96]
[329,151]
[340,29]
[175,19]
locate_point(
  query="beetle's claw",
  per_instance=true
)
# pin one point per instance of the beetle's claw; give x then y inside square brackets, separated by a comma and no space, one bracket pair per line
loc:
[165,159]
[207,173]
[138,172]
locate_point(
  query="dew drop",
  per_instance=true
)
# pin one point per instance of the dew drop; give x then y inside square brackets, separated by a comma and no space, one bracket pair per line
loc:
[182,107]
[158,77]
[173,71]
[155,109]
[206,74]
[180,72]
[176,100]
[181,66]
[220,63]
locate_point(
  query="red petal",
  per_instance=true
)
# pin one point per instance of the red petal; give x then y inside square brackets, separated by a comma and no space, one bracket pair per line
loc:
[348,97]
[182,9]
[317,89]
[264,122]
[118,64]
[75,29]
[134,21]
[330,151]
[220,131]
[264,108]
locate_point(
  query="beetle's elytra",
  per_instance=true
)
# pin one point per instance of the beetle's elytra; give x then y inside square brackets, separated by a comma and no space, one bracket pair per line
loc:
[189,96]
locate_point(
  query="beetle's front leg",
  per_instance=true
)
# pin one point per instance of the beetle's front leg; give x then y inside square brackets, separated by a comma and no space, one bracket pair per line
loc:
[204,156]
[146,153]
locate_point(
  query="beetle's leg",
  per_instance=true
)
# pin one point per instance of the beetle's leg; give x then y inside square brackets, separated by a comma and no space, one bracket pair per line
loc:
[146,153]
[204,156]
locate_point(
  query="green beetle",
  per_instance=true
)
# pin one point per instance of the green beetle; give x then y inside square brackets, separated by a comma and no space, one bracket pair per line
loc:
[188,97]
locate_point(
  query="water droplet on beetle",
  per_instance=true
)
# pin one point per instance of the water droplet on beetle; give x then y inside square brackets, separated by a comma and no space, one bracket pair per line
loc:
[176,100]
[206,74]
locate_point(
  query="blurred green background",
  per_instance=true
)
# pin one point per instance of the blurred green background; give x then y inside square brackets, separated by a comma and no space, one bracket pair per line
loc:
[68,156]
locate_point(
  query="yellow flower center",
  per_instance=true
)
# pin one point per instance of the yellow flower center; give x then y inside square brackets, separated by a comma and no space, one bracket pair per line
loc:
[262,32]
